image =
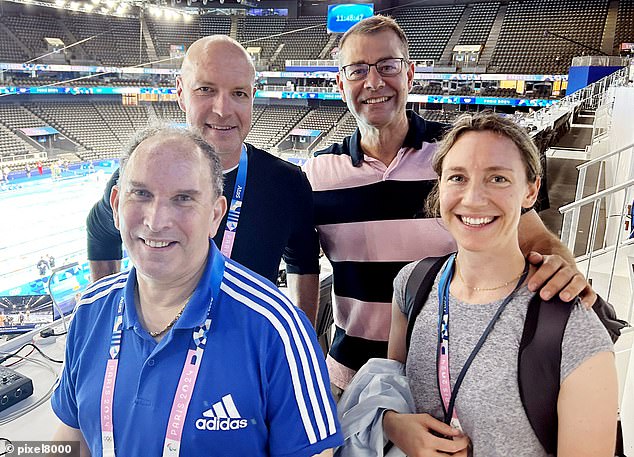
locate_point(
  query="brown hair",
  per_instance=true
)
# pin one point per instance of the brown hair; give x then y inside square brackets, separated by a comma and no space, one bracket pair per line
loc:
[486,121]
[372,25]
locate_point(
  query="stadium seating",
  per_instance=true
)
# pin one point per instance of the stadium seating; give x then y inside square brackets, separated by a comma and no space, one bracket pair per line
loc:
[478,26]
[169,111]
[215,25]
[524,45]
[165,33]
[13,117]
[322,118]
[273,124]
[94,131]
[440,115]
[624,24]
[32,29]
[261,32]
[521,48]
[114,41]
[346,126]
[10,51]
[11,144]
[428,28]
[306,39]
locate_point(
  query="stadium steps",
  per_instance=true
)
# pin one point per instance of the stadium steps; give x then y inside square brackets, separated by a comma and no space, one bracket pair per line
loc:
[78,50]
[150,49]
[276,53]
[336,132]
[446,58]
[609,30]
[489,46]
[562,162]
[16,40]
[12,144]
[151,112]
[286,129]
[233,31]
[15,118]
[39,112]
[562,186]
[325,53]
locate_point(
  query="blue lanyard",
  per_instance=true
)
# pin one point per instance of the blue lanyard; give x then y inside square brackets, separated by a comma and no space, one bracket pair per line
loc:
[233,217]
[448,395]
[187,381]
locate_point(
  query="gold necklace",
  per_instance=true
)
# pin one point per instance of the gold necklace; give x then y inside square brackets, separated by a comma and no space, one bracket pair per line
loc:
[483,289]
[171,324]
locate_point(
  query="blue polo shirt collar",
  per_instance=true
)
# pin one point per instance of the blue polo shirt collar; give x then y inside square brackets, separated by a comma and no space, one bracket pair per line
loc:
[196,311]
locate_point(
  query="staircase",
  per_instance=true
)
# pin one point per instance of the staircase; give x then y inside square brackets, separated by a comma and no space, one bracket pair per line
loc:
[276,53]
[77,51]
[233,32]
[149,44]
[325,53]
[597,224]
[609,30]
[562,162]
[446,58]
[494,35]
[16,40]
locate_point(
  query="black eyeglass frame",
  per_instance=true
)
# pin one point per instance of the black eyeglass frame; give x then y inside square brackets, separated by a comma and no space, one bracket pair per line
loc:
[403,61]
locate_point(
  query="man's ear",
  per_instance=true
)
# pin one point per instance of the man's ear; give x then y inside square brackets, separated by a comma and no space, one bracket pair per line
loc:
[114,203]
[180,92]
[217,213]
[410,76]
[340,86]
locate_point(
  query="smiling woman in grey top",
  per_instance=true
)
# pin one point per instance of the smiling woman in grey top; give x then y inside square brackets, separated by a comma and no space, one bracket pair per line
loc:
[488,171]
[489,403]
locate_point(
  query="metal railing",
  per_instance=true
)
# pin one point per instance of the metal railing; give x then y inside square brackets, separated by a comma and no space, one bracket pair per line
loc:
[590,98]
[598,226]
[16,159]
[571,218]
[614,202]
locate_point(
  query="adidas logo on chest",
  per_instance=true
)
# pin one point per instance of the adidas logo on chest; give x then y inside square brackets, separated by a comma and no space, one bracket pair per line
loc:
[222,416]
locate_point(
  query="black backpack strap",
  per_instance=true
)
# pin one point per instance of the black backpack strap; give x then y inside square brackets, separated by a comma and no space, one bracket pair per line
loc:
[607,316]
[418,287]
[539,366]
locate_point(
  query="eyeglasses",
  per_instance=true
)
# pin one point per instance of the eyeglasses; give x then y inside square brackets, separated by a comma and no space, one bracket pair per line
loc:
[385,67]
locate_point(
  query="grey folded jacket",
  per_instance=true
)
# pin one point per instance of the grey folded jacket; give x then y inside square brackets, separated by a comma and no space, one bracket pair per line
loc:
[378,386]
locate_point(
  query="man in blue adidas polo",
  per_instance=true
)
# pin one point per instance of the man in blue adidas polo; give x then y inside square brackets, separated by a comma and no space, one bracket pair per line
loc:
[189,353]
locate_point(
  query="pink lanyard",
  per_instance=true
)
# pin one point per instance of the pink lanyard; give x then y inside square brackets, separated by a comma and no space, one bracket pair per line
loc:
[233,216]
[186,383]
[447,395]
[442,364]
